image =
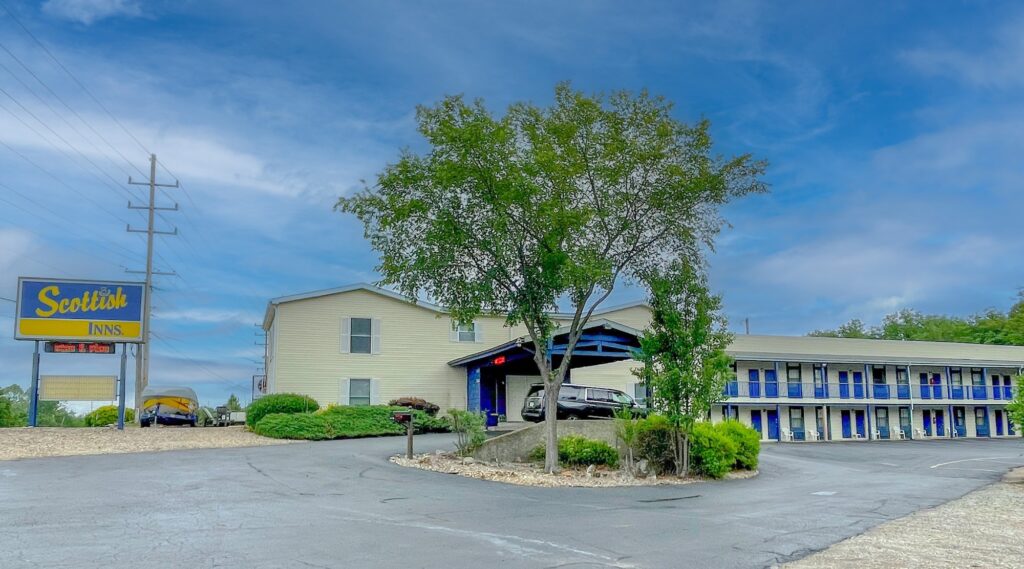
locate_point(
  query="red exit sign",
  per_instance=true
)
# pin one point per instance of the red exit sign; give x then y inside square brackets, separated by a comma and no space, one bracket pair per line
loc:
[79,348]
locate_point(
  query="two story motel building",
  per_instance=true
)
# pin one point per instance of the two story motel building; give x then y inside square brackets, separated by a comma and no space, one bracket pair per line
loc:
[365,345]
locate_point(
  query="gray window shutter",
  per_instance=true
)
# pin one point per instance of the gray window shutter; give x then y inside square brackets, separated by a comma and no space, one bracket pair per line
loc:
[374,392]
[375,336]
[343,391]
[346,335]
[478,332]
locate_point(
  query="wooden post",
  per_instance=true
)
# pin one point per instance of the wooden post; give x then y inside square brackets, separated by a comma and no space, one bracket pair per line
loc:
[408,442]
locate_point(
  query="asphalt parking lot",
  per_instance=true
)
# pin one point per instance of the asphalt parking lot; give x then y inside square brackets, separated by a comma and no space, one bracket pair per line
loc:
[341,504]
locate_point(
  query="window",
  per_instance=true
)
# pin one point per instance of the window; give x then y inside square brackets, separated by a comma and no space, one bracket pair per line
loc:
[956,376]
[602,395]
[793,373]
[905,419]
[878,375]
[358,390]
[976,377]
[567,392]
[731,412]
[360,336]
[464,332]
[640,392]
[622,398]
[882,417]
[902,377]
[818,375]
[796,418]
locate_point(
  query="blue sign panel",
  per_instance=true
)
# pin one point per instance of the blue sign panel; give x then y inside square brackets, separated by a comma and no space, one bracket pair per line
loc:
[58,309]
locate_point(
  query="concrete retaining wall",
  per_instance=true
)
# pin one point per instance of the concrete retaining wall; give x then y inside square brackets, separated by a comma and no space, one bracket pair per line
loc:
[516,446]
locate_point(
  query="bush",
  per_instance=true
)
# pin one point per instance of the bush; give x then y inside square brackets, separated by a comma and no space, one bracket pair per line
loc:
[424,422]
[748,443]
[416,403]
[712,453]
[299,426]
[469,430]
[577,450]
[278,403]
[654,443]
[107,415]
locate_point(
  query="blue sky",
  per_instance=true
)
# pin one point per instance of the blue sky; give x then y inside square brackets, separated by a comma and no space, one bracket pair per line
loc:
[893,133]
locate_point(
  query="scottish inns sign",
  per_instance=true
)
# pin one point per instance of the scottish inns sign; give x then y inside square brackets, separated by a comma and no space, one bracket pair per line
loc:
[58,309]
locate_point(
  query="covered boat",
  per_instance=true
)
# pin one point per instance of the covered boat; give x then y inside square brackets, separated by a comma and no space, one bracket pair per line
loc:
[169,406]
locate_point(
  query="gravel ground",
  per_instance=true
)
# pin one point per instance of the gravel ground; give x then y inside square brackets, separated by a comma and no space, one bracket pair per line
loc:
[533,475]
[983,529]
[18,443]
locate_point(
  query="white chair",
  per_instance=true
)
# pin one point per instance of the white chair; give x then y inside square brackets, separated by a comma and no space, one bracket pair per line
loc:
[876,434]
[953,433]
[900,435]
[919,433]
[787,435]
[857,435]
[812,435]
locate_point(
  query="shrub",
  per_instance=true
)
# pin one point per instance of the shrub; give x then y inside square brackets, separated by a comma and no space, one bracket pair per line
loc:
[424,422]
[712,453]
[417,403]
[748,443]
[278,403]
[300,426]
[654,443]
[349,422]
[469,430]
[107,415]
[577,450]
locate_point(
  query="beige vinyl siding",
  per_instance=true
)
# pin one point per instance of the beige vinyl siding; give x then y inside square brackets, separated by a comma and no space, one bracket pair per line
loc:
[615,375]
[415,346]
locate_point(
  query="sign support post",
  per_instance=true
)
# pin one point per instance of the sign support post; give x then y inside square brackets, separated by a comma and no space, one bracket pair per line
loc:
[121,387]
[33,396]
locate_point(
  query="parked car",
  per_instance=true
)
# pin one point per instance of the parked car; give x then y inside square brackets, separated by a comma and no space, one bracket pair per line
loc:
[580,402]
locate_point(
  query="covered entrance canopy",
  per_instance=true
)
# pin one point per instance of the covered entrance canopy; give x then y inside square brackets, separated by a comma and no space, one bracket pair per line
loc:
[487,386]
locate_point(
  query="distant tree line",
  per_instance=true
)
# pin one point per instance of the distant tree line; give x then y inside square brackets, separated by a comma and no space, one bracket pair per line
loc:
[989,327]
[14,410]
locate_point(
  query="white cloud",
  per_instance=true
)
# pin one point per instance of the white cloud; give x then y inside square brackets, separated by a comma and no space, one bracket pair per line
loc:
[204,315]
[999,65]
[89,11]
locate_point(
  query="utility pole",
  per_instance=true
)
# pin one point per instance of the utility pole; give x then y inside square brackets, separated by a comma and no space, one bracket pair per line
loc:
[142,356]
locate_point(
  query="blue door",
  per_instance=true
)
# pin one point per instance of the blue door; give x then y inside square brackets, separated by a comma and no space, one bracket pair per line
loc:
[844,385]
[960,421]
[981,421]
[1007,389]
[940,424]
[858,385]
[978,390]
[902,383]
[936,386]
[754,384]
[771,384]
[820,389]
[847,430]
[755,419]
[927,420]
[773,424]
[926,390]
[999,423]
[861,430]
[956,385]
[996,391]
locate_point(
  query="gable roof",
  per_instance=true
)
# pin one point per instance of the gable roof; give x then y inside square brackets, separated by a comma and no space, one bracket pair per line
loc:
[269,315]
[602,323]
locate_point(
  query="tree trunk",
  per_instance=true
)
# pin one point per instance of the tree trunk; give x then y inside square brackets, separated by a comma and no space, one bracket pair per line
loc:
[550,427]
[686,455]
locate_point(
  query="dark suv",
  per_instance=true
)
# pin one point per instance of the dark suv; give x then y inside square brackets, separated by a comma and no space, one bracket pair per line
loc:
[580,402]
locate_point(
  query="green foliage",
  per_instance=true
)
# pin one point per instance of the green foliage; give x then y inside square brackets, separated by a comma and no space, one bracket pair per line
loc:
[577,450]
[278,403]
[626,431]
[14,413]
[232,403]
[469,430]
[107,415]
[204,420]
[1015,409]
[683,353]
[511,213]
[988,327]
[714,453]
[298,426]
[654,443]
[748,443]
[417,403]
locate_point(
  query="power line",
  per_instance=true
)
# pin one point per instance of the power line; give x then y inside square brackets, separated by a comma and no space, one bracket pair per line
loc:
[73,78]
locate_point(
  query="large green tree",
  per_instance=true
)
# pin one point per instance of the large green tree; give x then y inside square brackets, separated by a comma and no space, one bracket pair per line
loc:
[685,366]
[512,214]
[988,327]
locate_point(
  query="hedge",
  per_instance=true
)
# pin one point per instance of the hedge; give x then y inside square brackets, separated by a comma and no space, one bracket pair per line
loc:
[278,403]
[577,450]
[712,452]
[654,443]
[107,415]
[748,443]
[345,422]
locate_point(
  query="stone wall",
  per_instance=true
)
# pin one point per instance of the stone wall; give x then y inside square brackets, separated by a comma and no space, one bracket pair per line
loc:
[516,446]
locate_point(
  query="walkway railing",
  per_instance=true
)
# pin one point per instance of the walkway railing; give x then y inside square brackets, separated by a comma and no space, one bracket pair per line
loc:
[861,390]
